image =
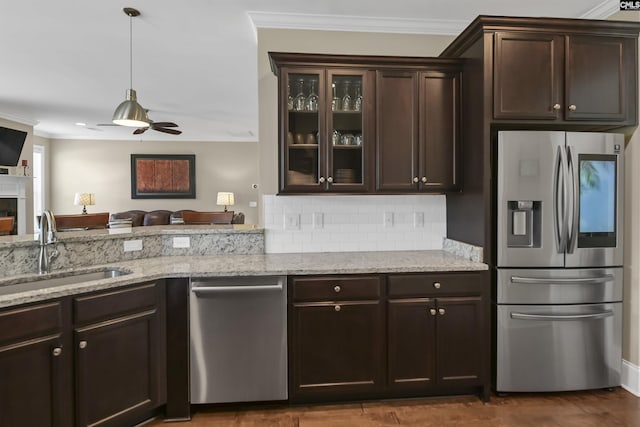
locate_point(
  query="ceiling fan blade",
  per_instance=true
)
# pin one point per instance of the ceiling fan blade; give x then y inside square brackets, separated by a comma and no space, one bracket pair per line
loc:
[139,131]
[171,131]
[164,124]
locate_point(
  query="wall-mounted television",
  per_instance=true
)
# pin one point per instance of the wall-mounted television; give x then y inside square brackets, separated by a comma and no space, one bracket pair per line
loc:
[11,143]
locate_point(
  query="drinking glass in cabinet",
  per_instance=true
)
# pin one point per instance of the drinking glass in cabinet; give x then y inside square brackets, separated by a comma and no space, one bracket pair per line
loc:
[357,102]
[336,138]
[346,98]
[300,100]
[289,98]
[312,100]
[336,102]
[358,139]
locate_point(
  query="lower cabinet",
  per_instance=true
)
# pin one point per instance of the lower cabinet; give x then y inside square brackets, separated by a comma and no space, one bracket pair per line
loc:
[35,387]
[336,338]
[388,336]
[95,359]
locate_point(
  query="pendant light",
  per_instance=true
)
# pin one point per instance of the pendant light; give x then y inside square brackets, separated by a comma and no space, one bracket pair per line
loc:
[129,112]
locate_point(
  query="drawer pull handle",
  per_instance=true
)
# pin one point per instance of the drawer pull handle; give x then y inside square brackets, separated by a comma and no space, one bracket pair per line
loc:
[556,106]
[82,344]
[57,351]
[437,285]
[441,311]
[572,107]
[336,308]
[424,180]
[416,179]
[337,288]
[433,311]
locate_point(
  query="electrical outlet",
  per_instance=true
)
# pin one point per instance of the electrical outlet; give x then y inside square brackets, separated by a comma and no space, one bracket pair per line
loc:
[318,220]
[253,204]
[418,219]
[132,245]
[181,242]
[292,221]
[388,219]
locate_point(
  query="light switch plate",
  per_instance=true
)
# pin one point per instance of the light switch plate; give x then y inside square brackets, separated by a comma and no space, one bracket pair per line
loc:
[318,220]
[388,219]
[181,242]
[292,221]
[132,245]
[253,204]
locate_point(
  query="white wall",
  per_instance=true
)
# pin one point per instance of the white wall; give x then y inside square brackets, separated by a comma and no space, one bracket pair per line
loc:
[104,168]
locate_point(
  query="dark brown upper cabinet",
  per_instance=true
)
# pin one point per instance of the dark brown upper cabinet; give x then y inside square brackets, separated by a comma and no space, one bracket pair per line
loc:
[417,128]
[325,130]
[564,78]
[365,124]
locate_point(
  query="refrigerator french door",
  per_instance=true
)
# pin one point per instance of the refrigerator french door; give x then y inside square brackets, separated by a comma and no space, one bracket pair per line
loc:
[559,285]
[560,199]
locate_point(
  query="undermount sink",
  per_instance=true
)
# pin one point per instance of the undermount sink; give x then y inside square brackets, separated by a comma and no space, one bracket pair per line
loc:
[71,278]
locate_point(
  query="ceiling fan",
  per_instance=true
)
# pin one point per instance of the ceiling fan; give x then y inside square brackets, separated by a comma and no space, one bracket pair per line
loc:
[130,113]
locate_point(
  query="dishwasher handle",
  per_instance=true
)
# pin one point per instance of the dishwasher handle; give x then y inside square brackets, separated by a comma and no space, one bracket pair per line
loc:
[208,290]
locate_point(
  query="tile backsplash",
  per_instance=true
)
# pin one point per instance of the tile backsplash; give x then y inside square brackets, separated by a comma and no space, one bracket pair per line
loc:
[353,223]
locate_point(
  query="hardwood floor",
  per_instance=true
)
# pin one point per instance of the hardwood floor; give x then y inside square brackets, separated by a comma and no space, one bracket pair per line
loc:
[580,409]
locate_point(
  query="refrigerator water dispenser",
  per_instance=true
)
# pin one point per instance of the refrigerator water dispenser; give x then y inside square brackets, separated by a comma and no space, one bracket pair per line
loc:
[523,223]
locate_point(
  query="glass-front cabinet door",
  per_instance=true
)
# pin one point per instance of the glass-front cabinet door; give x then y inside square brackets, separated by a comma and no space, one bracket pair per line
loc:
[325,135]
[302,157]
[349,138]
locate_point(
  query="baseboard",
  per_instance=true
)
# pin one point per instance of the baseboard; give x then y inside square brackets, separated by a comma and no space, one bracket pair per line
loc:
[630,377]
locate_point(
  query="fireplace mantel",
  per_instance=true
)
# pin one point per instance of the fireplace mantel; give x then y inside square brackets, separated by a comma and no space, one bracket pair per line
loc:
[15,187]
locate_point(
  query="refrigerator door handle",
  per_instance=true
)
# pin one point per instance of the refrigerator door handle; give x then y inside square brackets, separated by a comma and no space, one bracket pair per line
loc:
[571,280]
[524,316]
[573,210]
[560,200]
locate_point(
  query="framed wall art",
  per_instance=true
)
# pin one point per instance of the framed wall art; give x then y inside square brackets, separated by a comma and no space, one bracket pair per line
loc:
[163,176]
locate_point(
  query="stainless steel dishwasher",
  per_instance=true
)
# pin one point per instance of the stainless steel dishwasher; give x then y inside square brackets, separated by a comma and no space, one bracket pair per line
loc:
[238,339]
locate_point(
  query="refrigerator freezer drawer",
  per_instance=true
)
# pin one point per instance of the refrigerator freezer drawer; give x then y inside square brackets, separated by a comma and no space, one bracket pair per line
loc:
[558,347]
[559,286]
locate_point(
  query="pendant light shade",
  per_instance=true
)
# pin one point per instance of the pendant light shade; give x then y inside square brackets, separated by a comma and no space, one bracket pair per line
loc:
[130,113]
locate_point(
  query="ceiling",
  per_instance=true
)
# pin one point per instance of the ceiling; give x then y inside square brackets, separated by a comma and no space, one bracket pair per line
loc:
[195,61]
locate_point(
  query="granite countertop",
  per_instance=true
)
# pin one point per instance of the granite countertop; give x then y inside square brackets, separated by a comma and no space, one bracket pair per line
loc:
[242,265]
[132,232]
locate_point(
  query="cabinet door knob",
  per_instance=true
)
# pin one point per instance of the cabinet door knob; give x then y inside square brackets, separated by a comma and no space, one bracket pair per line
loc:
[57,351]
[82,344]
[330,179]
[321,180]
[432,311]
[441,311]
[337,288]
[556,106]
[436,285]
[336,308]
[415,179]
[424,180]
[572,107]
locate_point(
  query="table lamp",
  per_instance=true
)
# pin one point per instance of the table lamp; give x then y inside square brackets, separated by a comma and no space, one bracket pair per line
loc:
[225,199]
[84,199]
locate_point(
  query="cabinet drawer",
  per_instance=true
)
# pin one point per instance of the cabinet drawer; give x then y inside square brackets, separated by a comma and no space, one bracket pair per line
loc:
[29,322]
[404,285]
[109,305]
[335,288]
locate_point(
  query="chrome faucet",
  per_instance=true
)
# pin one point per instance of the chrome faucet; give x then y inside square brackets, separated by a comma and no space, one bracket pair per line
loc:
[48,228]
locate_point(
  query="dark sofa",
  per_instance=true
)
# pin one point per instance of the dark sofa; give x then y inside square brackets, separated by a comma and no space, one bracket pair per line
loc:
[162,217]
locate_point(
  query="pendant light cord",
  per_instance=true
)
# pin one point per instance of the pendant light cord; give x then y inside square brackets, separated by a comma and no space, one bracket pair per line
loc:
[130,51]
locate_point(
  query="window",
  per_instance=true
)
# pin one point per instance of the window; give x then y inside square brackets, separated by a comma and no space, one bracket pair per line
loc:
[38,183]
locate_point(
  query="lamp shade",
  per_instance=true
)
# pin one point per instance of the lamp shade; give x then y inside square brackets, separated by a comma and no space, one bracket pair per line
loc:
[130,113]
[84,199]
[225,198]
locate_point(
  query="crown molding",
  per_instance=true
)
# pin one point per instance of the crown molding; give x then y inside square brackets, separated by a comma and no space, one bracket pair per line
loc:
[17,119]
[603,10]
[299,21]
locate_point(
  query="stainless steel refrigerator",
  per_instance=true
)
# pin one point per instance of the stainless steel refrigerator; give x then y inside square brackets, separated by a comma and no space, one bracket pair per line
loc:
[559,260]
